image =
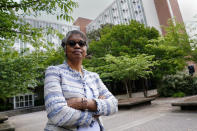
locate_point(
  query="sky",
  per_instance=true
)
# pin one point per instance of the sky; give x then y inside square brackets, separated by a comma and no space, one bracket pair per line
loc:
[188,9]
[92,8]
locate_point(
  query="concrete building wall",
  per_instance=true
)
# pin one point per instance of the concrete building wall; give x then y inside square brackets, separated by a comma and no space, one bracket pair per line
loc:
[120,12]
[37,23]
[151,14]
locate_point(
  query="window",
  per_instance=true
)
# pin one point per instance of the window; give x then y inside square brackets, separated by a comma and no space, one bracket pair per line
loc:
[22,101]
[142,21]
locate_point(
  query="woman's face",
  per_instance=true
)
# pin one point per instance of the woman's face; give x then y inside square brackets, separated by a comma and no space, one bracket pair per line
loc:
[75,51]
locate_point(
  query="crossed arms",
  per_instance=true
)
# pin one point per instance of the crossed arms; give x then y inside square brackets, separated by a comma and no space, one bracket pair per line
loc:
[74,111]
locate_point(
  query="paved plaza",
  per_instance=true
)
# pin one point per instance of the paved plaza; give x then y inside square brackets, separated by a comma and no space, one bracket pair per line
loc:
[159,116]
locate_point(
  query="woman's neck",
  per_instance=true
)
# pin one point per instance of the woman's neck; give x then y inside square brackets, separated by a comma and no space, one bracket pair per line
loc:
[75,65]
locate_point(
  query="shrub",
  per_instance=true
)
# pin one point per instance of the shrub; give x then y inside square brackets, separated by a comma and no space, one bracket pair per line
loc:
[179,94]
[180,82]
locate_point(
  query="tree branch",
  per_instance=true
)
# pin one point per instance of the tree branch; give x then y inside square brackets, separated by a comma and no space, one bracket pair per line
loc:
[15,5]
[14,31]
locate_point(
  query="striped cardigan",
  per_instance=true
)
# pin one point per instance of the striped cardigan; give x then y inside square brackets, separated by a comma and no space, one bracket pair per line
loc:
[62,83]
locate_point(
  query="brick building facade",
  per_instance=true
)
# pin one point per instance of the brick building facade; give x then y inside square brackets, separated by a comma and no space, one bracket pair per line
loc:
[82,23]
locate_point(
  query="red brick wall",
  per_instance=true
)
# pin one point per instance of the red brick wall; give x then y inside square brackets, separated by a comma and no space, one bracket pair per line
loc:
[163,12]
[82,23]
[176,10]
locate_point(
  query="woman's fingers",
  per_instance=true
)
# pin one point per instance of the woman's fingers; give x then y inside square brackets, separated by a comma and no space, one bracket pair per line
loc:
[101,97]
[96,116]
[74,103]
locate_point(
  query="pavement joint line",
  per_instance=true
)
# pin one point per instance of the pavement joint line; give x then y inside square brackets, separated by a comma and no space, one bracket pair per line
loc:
[136,123]
[125,113]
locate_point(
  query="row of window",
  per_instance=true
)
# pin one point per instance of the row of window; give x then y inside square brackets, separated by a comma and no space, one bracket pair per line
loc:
[19,45]
[119,15]
[21,101]
[41,24]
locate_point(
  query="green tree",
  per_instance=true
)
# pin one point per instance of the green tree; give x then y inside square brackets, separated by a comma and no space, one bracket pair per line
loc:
[126,69]
[13,27]
[129,39]
[171,50]
[118,41]
[134,39]
[192,27]
[21,72]
[16,76]
[12,12]
[194,55]
[96,34]
[170,58]
[177,36]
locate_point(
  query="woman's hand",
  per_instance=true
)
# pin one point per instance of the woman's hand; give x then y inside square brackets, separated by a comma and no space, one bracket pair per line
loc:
[81,103]
[75,103]
[100,97]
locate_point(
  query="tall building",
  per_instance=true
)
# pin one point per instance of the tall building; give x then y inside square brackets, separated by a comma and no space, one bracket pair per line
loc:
[153,13]
[37,23]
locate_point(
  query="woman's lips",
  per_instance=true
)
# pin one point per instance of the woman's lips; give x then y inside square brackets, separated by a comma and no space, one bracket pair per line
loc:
[77,52]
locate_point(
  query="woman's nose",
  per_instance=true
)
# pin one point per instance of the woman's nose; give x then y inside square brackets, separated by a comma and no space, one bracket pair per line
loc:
[77,45]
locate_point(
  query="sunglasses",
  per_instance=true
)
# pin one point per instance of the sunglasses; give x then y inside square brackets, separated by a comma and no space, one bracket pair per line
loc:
[72,43]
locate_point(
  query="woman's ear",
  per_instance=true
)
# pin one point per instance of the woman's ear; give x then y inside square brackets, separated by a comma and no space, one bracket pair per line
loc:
[64,49]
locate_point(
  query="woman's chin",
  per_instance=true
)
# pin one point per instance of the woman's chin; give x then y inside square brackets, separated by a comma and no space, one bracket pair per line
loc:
[77,57]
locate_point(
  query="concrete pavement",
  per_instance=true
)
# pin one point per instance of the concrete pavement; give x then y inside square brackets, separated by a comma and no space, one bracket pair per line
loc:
[29,122]
[159,116]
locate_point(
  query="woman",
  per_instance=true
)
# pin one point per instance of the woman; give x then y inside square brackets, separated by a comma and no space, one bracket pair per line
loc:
[75,97]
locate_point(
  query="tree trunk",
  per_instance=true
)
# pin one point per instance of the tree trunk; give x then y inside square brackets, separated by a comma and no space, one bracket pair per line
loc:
[127,89]
[145,86]
[130,88]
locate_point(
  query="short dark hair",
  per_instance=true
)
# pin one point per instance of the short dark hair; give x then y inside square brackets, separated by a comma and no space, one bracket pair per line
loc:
[70,33]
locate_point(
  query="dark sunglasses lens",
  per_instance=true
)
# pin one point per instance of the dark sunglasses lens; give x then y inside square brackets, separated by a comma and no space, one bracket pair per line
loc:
[82,43]
[72,43]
